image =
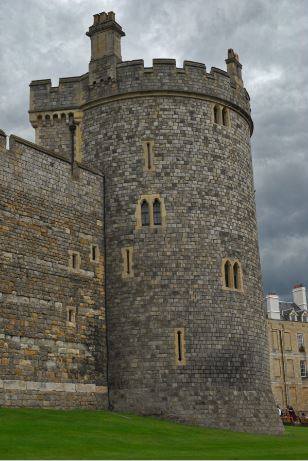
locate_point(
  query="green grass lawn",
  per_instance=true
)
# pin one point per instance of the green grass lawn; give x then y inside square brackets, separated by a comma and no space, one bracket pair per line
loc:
[52,434]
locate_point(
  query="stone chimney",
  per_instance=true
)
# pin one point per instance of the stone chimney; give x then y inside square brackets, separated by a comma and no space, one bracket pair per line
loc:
[272,304]
[105,35]
[299,296]
[234,67]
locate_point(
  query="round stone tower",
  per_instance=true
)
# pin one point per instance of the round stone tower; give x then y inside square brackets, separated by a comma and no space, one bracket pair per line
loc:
[186,326]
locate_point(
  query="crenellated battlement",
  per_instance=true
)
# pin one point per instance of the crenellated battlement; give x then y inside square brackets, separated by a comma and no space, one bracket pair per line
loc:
[74,93]
[191,78]
[69,94]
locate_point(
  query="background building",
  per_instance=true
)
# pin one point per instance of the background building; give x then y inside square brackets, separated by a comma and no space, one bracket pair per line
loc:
[288,338]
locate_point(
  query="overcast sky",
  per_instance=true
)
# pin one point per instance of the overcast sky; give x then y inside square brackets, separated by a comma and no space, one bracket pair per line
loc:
[46,39]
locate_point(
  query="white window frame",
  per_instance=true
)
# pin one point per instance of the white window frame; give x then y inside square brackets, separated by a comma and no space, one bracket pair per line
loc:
[303,368]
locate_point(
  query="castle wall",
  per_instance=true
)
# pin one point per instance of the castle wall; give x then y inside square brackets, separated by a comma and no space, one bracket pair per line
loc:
[52,320]
[54,134]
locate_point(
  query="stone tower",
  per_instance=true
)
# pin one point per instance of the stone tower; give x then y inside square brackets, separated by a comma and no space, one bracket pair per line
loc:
[185,323]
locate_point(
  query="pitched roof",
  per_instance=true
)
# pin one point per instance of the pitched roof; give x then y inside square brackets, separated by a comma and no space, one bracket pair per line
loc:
[286,308]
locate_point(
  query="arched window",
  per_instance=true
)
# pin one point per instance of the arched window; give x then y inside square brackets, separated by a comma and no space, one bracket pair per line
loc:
[216,115]
[145,213]
[236,276]
[225,116]
[228,274]
[157,212]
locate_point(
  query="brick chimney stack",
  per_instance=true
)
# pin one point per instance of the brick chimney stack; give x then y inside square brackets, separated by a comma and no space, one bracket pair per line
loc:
[105,35]
[234,67]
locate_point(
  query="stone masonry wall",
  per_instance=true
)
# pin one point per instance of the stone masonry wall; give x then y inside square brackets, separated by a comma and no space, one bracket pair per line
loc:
[48,359]
[203,173]
[54,134]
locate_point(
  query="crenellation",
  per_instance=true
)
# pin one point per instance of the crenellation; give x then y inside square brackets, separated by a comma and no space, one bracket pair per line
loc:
[2,139]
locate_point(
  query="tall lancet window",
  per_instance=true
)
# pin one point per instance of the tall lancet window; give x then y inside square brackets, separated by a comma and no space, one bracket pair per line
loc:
[228,274]
[145,213]
[157,212]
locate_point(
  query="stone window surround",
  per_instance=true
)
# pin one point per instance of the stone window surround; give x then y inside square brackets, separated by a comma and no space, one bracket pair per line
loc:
[150,198]
[176,347]
[96,260]
[240,275]
[73,253]
[220,110]
[71,316]
[148,149]
[127,271]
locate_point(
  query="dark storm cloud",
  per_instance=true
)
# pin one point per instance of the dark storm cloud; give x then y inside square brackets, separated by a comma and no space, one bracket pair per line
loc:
[45,39]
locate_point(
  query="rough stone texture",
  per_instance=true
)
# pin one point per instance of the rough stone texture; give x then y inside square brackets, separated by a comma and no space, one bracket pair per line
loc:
[45,212]
[203,173]
[45,135]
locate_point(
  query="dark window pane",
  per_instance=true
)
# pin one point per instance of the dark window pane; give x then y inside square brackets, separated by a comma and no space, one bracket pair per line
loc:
[145,214]
[157,213]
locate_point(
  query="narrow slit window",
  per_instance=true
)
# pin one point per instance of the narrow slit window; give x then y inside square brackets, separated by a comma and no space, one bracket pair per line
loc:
[94,253]
[179,335]
[216,115]
[236,283]
[149,155]
[71,316]
[157,212]
[228,274]
[145,213]
[180,353]
[74,261]
[225,117]
[127,261]
[127,257]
